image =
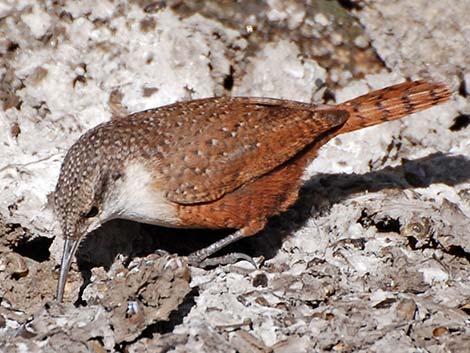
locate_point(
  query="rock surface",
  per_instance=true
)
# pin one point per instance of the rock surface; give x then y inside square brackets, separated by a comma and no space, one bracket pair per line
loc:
[374,257]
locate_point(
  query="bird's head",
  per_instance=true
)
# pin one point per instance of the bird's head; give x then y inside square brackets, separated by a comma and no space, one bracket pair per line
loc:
[79,196]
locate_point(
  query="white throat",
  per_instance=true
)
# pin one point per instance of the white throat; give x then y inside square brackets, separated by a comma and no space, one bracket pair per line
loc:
[134,197]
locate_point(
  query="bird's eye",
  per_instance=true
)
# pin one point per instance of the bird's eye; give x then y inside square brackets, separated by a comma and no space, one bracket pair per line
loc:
[92,212]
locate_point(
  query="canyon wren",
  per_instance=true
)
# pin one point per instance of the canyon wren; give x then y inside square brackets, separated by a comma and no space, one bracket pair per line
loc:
[215,163]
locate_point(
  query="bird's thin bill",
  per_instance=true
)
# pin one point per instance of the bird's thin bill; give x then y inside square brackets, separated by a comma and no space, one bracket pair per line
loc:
[70,247]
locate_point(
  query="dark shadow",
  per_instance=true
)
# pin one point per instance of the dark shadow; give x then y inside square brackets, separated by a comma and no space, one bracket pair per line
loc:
[176,317]
[134,239]
[35,248]
[350,5]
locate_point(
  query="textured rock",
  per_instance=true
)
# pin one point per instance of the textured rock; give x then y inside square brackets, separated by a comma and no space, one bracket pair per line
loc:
[374,256]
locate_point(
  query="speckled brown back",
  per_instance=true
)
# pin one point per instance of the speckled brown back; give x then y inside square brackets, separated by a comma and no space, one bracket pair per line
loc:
[196,150]
[209,149]
[216,145]
[249,206]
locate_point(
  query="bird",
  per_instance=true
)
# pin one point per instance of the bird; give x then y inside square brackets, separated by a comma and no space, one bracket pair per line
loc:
[210,163]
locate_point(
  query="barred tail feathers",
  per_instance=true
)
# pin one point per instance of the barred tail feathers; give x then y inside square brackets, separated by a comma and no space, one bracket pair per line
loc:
[393,103]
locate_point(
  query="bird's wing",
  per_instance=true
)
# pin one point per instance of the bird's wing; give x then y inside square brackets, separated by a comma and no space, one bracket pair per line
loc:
[220,144]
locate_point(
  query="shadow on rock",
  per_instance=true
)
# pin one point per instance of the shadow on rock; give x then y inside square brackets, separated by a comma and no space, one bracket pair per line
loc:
[134,239]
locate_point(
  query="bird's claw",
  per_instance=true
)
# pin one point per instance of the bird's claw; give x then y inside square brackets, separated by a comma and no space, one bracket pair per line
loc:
[228,259]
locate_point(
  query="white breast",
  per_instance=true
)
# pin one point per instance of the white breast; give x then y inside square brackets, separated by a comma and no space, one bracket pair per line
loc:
[134,198]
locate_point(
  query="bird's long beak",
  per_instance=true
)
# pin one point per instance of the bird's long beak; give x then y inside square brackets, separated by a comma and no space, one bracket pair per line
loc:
[70,247]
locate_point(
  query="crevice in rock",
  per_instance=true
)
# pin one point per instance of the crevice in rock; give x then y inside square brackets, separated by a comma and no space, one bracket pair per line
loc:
[350,5]
[36,248]
[229,80]
[458,251]
[383,225]
[460,122]
[463,89]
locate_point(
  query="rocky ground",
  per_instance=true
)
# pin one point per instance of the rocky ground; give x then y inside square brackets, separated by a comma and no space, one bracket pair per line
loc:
[375,255]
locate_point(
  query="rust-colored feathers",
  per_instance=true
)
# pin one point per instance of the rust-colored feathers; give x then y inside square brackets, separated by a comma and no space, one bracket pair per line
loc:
[268,194]
[254,135]
[392,103]
[248,138]
[217,149]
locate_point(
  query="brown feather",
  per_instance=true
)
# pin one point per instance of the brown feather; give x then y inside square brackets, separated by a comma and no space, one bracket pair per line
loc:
[226,142]
[392,103]
[274,192]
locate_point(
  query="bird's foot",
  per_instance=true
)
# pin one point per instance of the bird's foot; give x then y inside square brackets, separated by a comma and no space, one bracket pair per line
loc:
[229,259]
[201,258]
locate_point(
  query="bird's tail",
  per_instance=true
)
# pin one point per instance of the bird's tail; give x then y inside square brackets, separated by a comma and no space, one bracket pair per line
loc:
[393,103]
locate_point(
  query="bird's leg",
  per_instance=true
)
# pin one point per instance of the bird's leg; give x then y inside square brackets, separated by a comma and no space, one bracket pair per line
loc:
[200,258]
